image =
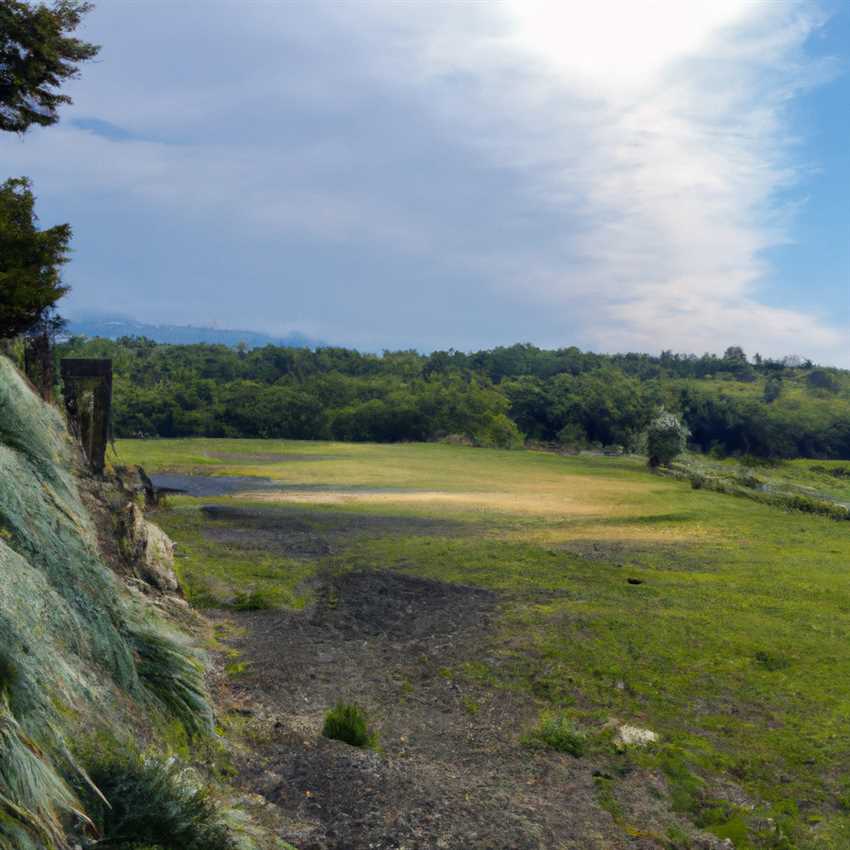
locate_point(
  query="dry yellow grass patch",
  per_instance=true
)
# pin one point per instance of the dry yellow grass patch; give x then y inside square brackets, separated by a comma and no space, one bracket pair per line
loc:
[574,497]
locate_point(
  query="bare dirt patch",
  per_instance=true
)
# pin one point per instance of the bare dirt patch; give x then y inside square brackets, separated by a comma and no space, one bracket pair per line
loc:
[305,533]
[452,772]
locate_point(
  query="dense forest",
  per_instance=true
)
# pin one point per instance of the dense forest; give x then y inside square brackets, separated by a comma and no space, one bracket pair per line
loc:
[499,397]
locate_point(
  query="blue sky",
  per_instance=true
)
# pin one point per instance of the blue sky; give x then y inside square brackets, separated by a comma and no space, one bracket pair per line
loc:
[613,175]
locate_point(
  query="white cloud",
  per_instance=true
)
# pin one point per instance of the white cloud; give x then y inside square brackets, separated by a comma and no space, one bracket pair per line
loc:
[616,164]
[661,127]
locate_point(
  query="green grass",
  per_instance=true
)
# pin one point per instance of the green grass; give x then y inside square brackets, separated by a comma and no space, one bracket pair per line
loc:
[348,723]
[733,647]
[218,575]
[559,732]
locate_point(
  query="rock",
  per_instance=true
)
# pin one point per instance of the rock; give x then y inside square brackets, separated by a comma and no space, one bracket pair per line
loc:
[134,482]
[149,549]
[634,736]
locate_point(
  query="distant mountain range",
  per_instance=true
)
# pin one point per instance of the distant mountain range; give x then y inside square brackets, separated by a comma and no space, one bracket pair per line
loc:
[113,327]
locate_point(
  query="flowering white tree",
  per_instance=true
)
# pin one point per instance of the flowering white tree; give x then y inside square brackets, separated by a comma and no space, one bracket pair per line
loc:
[666,437]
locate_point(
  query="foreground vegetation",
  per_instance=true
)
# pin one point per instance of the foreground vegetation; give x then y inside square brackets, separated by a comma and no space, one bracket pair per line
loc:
[492,398]
[86,667]
[719,623]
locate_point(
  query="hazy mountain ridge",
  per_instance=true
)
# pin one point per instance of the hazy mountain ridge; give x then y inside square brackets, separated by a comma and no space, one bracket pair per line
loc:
[115,327]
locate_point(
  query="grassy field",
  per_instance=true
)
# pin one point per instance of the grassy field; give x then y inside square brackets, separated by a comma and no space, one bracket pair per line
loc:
[720,623]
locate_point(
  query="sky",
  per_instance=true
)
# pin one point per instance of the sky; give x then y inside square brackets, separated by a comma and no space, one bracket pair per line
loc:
[615,175]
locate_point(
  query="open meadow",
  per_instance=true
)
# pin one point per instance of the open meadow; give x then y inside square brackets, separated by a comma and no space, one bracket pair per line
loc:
[471,599]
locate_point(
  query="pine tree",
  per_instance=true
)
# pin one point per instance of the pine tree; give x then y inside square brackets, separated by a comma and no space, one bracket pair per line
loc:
[37,55]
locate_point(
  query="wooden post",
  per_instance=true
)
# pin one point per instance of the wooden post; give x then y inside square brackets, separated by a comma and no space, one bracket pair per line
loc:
[87,388]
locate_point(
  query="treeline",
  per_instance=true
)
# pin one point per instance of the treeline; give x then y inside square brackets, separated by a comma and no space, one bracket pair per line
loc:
[498,397]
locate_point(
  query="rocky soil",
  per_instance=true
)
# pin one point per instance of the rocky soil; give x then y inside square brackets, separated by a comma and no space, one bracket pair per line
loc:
[451,770]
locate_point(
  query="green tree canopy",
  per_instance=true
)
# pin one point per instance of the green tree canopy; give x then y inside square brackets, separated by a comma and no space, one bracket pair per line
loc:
[38,54]
[30,260]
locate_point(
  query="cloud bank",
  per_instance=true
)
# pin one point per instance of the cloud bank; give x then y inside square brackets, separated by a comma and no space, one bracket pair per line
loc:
[609,174]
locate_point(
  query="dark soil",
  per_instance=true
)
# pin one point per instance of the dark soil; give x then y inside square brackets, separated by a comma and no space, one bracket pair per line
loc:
[207,486]
[451,771]
[294,532]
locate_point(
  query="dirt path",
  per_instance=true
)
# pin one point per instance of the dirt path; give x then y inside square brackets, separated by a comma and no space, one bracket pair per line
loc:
[451,772]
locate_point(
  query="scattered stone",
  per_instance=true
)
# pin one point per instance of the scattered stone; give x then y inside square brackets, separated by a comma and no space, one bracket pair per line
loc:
[634,736]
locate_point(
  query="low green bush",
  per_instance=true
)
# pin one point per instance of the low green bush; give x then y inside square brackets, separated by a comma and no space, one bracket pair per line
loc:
[349,723]
[152,803]
[771,660]
[559,732]
[254,600]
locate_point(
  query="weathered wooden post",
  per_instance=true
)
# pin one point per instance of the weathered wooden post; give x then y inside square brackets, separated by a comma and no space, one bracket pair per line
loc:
[87,388]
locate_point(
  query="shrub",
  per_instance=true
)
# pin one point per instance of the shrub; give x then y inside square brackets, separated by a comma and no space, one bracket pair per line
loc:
[153,803]
[559,732]
[747,478]
[253,600]
[348,723]
[820,379]
[573,435]
[498,432]
[666,438]
[772,389]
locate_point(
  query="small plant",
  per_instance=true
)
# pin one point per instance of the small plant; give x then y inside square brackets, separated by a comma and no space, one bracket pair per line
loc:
[471,706]
[348,723]
[771,661]
[559,732]
[236,668]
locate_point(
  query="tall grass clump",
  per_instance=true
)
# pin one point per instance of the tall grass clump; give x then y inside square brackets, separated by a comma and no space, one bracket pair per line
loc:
[349,723]
[153,803]
[34,799]
[174,677]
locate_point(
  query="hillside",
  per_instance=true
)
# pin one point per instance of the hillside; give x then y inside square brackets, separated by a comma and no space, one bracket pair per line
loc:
[499,397]
[100,684]
[117,326]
